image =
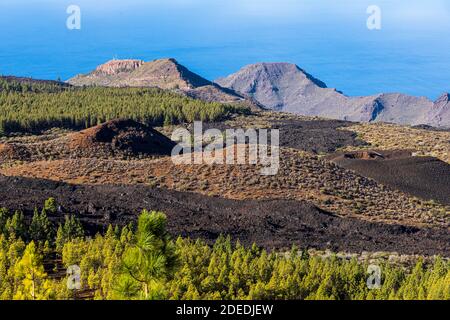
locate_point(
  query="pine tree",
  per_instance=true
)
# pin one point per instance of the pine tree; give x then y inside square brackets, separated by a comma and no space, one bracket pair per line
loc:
[40,227]
[110,233]
[60,239]
[15,225]
[4,214]
[72,228]
[50,206]
[35,226]
[152,259]
[30,272]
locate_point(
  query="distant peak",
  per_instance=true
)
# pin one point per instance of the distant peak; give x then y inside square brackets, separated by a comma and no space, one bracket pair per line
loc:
[277,68]
[165,60]
[270,66]
[173,60]
[444,98]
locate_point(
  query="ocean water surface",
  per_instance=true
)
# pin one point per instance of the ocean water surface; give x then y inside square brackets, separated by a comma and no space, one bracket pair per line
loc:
[329,39]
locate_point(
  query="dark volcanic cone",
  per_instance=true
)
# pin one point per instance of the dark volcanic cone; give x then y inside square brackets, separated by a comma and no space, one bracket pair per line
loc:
[123,135]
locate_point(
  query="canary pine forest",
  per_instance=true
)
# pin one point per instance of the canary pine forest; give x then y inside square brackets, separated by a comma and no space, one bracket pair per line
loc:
[36,106]
[141,261]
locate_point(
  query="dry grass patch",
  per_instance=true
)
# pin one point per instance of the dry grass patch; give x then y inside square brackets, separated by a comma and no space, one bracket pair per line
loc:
[394,137]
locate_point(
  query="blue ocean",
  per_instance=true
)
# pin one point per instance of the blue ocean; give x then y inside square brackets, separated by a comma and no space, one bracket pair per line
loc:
[410,53]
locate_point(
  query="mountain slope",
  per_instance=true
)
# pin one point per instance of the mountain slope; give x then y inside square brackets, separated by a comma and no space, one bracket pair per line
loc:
[439,115]
[286,87]
[271,84]
[166,74]
[163,73]
[23,84]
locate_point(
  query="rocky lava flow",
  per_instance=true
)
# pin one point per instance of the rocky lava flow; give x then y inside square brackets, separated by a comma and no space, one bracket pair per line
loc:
[270,223]
[424,177]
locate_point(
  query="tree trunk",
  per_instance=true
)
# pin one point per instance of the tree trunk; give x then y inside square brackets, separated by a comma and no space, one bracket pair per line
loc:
[146,290]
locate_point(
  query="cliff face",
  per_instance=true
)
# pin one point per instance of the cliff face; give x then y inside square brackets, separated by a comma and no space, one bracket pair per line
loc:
[286,87]
[114,67]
